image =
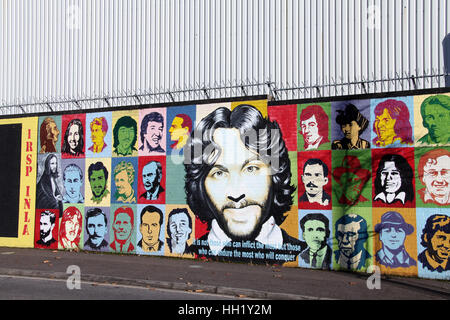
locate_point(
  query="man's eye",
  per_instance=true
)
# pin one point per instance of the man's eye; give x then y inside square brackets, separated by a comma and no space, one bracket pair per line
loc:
[252,169]
[219,174]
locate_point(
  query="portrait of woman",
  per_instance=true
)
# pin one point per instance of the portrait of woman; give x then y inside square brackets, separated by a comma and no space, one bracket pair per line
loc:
[74,138]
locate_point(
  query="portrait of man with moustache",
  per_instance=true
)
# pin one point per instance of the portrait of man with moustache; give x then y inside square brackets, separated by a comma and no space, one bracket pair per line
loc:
[315,178]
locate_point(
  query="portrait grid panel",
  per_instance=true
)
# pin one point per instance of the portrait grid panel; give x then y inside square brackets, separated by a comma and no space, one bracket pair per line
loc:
[361,173]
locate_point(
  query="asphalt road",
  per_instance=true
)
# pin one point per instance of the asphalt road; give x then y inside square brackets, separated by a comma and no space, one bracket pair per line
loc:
[29,288]
[229,279]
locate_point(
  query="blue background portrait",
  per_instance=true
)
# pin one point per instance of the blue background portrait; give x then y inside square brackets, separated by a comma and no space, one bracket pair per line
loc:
[106,153]
[328,215]
[108,222]
[115,162]
[162,230]
[171,114]
[422,214]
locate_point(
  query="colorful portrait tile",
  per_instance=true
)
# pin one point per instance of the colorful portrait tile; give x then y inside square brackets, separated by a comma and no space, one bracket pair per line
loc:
[46,229]
[122,231]
[71,227]
[73,133]
[351,174]
[395,240]
[432,177]
[49,188]
[285,116]
[152,131]
[392,123]
[180,123]
[433,236]
[73,179]
[180,231]
[99,135]
[50,134]
[150,229]
[352,246]
[96,229]
[431,119]
[124,180]
[151,177]
[316,229]
[98,182]
[393,177]
[350,125]
[314,180]
[125,133]
[313,129]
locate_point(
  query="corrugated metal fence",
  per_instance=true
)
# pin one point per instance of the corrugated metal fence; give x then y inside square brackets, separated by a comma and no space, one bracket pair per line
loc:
[63,55]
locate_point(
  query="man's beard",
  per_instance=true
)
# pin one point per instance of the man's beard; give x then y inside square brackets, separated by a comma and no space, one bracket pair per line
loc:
[54,175]
[224,224]
[100,193]
[44,234]
[96,239]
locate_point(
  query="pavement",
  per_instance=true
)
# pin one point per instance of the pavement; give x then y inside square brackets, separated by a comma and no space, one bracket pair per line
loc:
[234,279]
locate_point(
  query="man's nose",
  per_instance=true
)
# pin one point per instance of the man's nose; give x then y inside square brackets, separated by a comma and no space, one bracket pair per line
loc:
[439,177]
[235,190]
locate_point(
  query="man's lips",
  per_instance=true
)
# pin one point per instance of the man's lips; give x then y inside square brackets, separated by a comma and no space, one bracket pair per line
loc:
[241,214]
[439,184]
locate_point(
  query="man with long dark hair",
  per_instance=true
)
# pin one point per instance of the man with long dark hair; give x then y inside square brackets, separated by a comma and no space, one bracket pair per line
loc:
[394,180]
[238,181]
[48,194]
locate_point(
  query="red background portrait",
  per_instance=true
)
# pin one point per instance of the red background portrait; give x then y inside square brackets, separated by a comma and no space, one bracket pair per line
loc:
[286,117]
[64,123]
[141,189]
[325,156]
[377,155]
[37,229]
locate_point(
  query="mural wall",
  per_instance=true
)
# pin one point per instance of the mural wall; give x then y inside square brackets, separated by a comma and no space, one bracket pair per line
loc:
[336,185]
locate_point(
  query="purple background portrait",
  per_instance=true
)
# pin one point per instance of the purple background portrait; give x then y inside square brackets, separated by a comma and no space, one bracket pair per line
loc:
[363,107]
[86,235]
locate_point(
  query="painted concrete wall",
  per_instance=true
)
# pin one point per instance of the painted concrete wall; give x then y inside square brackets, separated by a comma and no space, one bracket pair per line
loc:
[333,185]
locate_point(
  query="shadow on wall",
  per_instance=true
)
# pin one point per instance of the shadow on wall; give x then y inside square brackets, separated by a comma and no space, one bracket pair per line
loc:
[446,49]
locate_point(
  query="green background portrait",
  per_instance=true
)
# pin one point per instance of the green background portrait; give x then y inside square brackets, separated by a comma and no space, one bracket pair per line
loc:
[326,106]
[113,209]
[365,213]
[364,157]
